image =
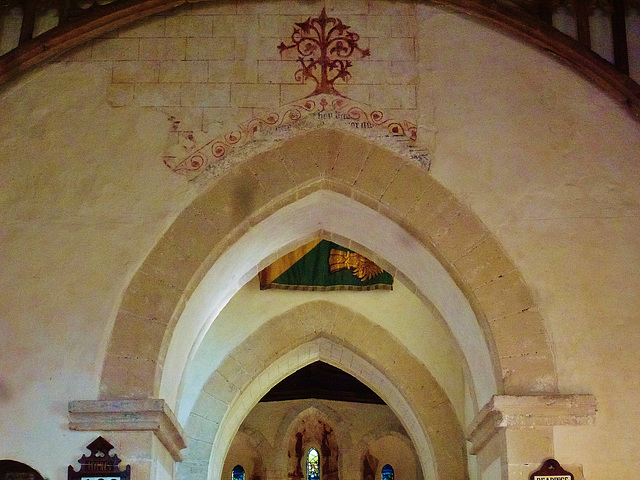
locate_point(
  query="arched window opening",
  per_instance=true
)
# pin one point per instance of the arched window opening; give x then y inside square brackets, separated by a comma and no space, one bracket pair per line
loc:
[387,472]
[313,464]
[237,473]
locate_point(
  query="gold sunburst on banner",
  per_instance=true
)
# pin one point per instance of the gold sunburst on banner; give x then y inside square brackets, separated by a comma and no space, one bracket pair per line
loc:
[322,265]
[363,268]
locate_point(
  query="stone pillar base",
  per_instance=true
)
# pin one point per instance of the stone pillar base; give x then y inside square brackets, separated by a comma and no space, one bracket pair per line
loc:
[513,434]
[145,433]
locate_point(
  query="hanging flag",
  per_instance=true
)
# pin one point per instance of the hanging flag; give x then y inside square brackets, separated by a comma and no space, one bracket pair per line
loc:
[323,265]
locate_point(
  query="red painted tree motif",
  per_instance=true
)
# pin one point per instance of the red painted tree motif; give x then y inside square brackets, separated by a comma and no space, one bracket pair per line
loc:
[325,42]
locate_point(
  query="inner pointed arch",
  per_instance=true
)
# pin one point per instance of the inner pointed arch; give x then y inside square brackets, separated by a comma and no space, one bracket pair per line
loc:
[326,212]
[325,349]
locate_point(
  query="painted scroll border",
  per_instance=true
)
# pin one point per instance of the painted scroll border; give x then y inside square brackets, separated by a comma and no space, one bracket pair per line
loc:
[216,155]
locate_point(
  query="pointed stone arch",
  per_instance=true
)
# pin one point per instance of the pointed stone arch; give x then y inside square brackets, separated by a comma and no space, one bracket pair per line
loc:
[344,340]
[369,175]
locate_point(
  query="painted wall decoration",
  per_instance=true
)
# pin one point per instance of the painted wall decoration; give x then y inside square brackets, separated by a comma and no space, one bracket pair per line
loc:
[326,47]
[321,110]
[327,43]
[369,466]
[318,434]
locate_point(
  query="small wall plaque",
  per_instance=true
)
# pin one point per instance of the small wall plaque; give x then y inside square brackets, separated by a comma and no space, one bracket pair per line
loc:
[99,465]
[551,470]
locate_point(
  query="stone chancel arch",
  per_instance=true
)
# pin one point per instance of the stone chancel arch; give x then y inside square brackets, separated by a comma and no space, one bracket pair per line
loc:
[108,254]
[370,175]
[330,184]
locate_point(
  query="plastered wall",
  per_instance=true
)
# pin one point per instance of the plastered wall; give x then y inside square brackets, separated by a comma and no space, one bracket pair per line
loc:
[545,159]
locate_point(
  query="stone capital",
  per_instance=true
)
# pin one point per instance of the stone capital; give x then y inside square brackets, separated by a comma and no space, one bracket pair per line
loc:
[129,415]
[529,411]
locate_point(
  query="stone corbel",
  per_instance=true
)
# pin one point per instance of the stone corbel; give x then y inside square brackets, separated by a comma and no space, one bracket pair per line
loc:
[528,411]
[129,415]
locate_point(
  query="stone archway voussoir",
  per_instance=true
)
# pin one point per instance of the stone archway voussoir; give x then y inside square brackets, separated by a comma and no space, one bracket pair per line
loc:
[359,169]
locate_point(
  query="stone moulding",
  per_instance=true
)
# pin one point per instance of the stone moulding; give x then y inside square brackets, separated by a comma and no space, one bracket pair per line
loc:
[529,411]
[129,415]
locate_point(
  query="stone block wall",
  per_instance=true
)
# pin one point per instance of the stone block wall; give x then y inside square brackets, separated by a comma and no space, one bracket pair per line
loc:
[207,64]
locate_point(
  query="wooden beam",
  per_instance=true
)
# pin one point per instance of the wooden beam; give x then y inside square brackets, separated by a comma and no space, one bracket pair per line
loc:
[64,7]
[619,34]
[28,21]
[505,17]
[545,11]
[582,22]
[620,86]
[77,31]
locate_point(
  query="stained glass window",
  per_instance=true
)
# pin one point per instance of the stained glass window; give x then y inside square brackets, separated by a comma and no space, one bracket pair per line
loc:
[237,473]
[313,465]
[387,472]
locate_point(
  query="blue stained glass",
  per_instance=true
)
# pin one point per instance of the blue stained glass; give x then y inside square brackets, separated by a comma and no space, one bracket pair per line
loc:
[237,473]
[313,465]
[387,472]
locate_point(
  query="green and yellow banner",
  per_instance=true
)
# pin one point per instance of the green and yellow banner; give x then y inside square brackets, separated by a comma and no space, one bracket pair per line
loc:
[322,265]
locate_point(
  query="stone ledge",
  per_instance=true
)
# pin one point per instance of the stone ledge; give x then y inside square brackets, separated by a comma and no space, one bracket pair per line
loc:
[129,415]
[529,411]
